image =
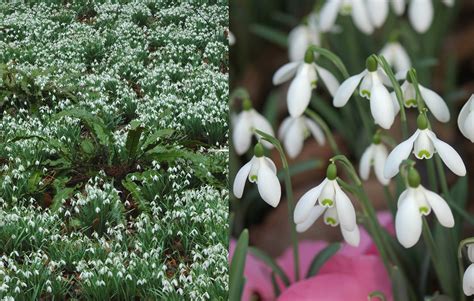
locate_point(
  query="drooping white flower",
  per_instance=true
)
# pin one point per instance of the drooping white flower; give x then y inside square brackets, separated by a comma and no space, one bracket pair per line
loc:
[328,198]
[293,132]
[468,278]
[398,6]
[466,119]
[375,155]
[420,14]
[378,11]
[423,143]
[307,73]
[231,38]
[413,203]
[356,8]
[382,106]
[262,171]
[397,57]
[301,37]
[433,100]
[244,125]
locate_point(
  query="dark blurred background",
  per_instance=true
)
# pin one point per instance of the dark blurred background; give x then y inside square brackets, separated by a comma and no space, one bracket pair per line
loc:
[443,57]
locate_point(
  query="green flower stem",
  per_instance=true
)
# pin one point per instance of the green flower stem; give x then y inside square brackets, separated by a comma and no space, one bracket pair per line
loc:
[398,92]
[432,175]
[290,200]
[326,130]
[431,245]
[390,200]
[366,120]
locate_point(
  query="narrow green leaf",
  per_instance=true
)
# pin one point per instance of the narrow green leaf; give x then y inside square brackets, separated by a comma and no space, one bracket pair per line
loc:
[320,259]
[133,140]
[236,273]
[152,140]
[333,58]
[276,288]
[399,285]
[270,34]
[271,263]
[377,294]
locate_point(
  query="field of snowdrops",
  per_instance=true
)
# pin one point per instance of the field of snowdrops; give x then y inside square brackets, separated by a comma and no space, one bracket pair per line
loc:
[113,150]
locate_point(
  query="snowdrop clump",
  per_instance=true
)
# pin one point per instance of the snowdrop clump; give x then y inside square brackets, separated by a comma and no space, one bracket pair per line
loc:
[83,213]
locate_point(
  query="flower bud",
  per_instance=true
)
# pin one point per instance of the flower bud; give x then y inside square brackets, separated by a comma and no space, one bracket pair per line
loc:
[309,56]
[258,150]
[422,122]
[246,104]
[331,172]
[413,177]
[371,63]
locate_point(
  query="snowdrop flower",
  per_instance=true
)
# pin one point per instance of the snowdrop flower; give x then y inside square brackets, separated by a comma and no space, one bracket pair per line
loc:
[371,80]
[375,155]
[423,143]
[466,119]
[293,132]
[262,171]
[301,37]
[433,101]
[420,14]
[398,6]
[307,73]
[356,8]
[415,202]
[397,57]
[468,279]
[231,38]
[328,198]
[378,11]
[244,125]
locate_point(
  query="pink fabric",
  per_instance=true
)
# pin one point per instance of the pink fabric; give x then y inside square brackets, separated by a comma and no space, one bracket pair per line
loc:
[351,274]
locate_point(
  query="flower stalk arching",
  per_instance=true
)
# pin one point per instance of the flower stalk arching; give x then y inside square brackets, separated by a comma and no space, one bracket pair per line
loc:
[327,131]
[290,200]
[398,92]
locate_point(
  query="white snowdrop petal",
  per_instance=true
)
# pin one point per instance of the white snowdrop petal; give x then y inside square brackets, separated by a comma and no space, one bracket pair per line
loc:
[420,13]
[396,105]
[315,130]
[313,215]
[285,72]
[361,17]
[423,147]
[408,223]
[435,104]
[240,179]
[378,11]
[299,93]
[381,106]
[398,6]
[294,138]
[260,123]
[242,134]
[271,165]
[449,156]
[440,208]
[365,162]
[398,154]
[347,88]
[467,128]
[402,197]
[306,202]
[468,281]
[470,252]
[345,210]
[268,185]
[329,80]
[351,237]
[297,43]
[402,61]
[380,157]
[328,15]
[284,127]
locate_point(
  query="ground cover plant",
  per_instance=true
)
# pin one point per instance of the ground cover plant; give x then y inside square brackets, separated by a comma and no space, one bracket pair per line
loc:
[113,150]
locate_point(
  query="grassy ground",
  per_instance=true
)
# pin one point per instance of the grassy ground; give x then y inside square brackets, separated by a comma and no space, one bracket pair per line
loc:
[113,150]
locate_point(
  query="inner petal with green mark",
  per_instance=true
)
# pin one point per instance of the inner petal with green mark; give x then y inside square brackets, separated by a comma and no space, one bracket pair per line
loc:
[424,210]
[331,221]
[346,9]
[327,203]
[424,154]
[365,93]
[314,84]
[253,178]
[411,103]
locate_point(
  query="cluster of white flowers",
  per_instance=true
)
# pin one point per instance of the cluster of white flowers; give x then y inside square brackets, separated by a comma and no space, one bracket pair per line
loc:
[157,231]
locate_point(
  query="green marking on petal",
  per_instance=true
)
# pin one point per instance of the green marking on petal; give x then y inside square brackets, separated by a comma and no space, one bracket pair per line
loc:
[424,154]
[327,203]
[253,178]
[411,103]
[424,210]
[331,221]
[346,9]
[314,84]
[365,93]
